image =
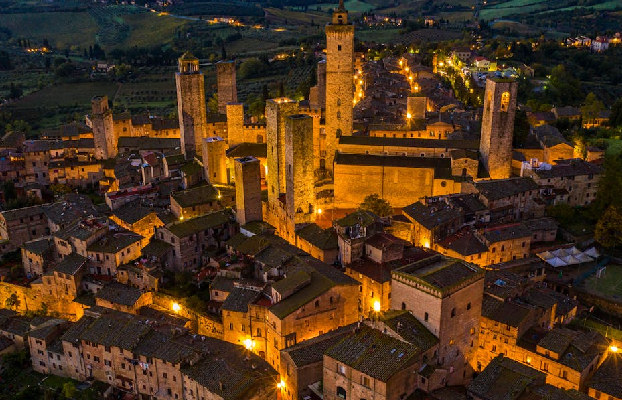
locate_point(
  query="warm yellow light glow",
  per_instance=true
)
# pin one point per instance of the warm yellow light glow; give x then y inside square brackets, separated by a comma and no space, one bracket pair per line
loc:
[219,195]
[406,69]
[360,82]
[613,349]
[409,116]
[319,211]
[401,62]
[360,94]
[440,64]
[176,307]
[426,245]
[181,217]
[376,306]
[528,360]
[280,385]
[249,344]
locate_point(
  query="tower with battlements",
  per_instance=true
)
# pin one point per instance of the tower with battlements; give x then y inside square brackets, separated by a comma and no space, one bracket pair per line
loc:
[191,105]
[339,81]
[103,128]
[227,87]
[247,190]
[498,126]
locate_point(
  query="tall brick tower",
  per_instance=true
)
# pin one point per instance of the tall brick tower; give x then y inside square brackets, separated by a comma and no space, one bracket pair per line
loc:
[300,194]
[276,111]
[247,190]
[103,128]
[339,80]
[215,160]
[227,87]
[191,105]
[498,126]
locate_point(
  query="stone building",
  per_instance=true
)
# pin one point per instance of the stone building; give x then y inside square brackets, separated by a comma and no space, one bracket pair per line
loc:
[302,364]
[215,160]
[36,159]
[153,360]
[276,112]
[112,250]
[137,218]
[37,256]
[103,129]
[200,200]
[386,359]
[320,243]
[191,238]
[227,86]
[191,104]
[248,190]
[339,80]
[574,181]
[445,295]
[22,225]
[498,126]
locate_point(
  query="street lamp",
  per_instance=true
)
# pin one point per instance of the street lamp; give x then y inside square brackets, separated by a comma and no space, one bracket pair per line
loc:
[376,306]
[176,307]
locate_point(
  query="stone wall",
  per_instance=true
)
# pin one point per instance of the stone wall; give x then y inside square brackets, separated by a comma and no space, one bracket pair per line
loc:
[227,87]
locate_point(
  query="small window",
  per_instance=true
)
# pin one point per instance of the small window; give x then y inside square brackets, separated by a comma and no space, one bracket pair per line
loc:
[426,317]
[453,312]
[339,49]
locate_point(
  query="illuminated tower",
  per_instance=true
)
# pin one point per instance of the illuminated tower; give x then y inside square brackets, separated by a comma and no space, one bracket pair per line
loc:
[300,194]
[215,160]
[276,111]
[103,128]
[227,87]
[498,126]
[339,81]
[247,190]
[191,104]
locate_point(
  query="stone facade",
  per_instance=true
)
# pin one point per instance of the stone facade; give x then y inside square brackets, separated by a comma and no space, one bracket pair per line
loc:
[235,123]
[449,309]
[227,87]
[339,81]
[103,128]
[191,104]
[498,126]
[248,190]
[300,195]
[416,107]
[215,160]
[276,111]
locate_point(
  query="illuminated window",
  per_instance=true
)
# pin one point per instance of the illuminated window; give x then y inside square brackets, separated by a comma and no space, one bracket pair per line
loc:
[505,101]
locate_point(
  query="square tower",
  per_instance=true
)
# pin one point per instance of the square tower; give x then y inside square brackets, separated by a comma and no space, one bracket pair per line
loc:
[276,111]
[416,108]
[247,190]
[215,160]
[300,193]
[191,105]
[445,295]
[235,123]
[227,87]
[339,81]
[103,128]
[498,126]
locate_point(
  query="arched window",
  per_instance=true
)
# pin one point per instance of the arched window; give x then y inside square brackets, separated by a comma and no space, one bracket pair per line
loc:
[259,139]
[338,102]
[341,392]
[453,312]
[338,114]
[505,101]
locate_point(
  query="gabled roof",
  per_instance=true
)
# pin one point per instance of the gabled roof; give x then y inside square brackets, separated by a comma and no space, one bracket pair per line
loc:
[71,264]
[373,353]
[194,225]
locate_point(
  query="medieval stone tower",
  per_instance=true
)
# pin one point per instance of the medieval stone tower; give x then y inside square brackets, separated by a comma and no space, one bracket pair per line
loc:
[416,107]
[235,123]
[227,89]
[247,190]
[300,194]
[339,81]
[215,160]
[498,126]
[191,105]
[276,111]
[103,128]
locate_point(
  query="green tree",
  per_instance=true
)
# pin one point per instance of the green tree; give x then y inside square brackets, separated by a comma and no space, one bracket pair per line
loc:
[609,228]
[610,185]
[252,68]
[521,128]
[60,189]
[378,206]
[615,119]
[591,108]
[212,104]
[69,390]
[12,301]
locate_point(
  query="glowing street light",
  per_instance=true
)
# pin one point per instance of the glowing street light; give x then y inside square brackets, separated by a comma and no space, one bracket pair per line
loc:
[249,344]
[176,307]
[376,306]
[613,349]
[281,385]
[319,211]
[409,116]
